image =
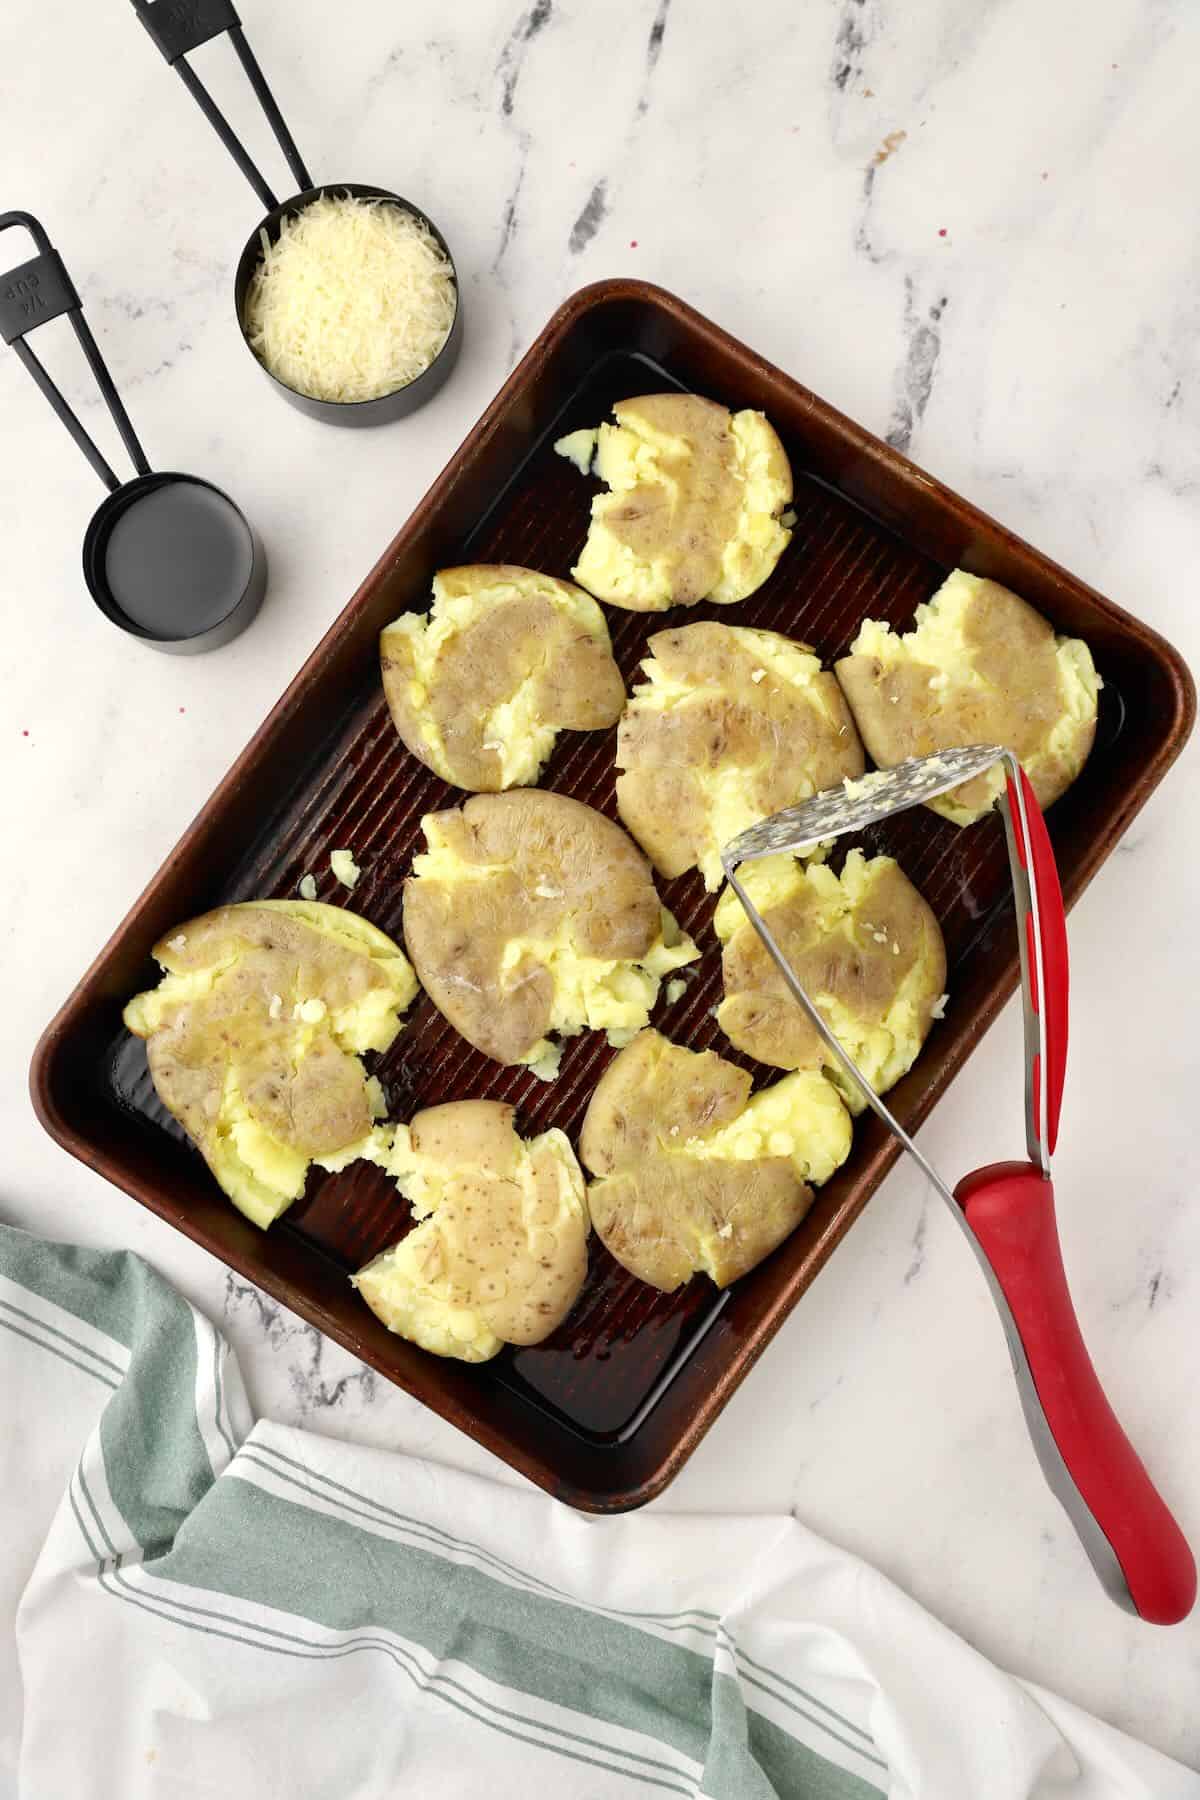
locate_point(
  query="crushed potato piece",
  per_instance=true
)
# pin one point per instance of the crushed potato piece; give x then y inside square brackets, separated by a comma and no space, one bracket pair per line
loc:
[579,447]
[344,867]
[481,685]
[498,1252]
[531,916]
[737,1184]
[693,507]
[878,1002]
[979,666]
[705,750]
[265,1088]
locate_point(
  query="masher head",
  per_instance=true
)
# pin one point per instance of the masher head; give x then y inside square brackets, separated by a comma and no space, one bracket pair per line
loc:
[857,804]
[1041,933]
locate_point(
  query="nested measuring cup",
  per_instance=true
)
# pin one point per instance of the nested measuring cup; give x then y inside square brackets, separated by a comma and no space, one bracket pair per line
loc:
[178,26]
[168,558]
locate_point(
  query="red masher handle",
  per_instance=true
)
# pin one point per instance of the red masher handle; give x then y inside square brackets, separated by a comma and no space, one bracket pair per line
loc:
[1010,1209]
[1038,859]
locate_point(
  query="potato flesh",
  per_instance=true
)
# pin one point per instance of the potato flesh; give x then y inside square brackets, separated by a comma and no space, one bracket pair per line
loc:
[693,507]
[598,993]
[498,1253]
[579,447]
[480,687]
[730,725]
[531,913]
[691,1173]
[865,947]
[254,1033]
[758,539]
[980,666]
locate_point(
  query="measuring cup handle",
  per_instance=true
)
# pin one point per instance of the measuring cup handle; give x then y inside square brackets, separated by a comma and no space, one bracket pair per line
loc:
[32,294]
[178,26]
[1010,1210]
[37,290]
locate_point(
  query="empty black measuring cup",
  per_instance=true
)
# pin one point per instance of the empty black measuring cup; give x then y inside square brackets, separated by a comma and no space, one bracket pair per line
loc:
[169,558]
[178,26]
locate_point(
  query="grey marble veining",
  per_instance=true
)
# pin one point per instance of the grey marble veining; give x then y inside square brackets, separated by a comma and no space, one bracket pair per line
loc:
[969,226]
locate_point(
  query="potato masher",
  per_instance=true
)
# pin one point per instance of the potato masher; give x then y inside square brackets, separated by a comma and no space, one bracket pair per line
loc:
[1007,1209]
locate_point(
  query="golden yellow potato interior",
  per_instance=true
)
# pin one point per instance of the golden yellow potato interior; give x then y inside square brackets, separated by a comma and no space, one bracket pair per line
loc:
[532,915]
[730,725]
[254,1034]
[579,447]
[694,503]
[866,949]
[498,1253]
[979,667]
[692,1173]
[479,687]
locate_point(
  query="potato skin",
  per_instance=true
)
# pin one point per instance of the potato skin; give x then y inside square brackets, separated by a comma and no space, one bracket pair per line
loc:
[551,861]
[654,1092]
[785,741]
[649,1218]
[533,635]
[468,1131]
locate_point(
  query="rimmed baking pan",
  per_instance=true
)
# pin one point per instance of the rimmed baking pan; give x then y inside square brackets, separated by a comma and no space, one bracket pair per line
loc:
[607,1410]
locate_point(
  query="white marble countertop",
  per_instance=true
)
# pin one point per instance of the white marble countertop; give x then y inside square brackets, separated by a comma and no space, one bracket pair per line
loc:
[969,226]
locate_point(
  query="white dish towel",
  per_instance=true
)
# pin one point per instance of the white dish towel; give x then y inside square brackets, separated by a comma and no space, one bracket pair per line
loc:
[201,1605]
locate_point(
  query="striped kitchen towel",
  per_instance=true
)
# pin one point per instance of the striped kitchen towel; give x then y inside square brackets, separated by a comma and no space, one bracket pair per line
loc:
[203,1605]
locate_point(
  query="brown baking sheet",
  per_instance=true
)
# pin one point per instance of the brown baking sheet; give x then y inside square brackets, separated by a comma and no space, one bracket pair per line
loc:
[607,1410]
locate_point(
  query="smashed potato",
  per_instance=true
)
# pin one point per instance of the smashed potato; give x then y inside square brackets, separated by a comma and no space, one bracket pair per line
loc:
[691,1173]
[729,726]
[980,667]
[498,1253]
[253,1038]
[866,949]
[480,687]
[532,914]
[693,511]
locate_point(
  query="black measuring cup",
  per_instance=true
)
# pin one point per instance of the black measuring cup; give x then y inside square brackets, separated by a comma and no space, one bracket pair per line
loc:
[178,26]
[168,558]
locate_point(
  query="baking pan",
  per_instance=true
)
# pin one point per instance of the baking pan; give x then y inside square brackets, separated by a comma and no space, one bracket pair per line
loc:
[608,1409]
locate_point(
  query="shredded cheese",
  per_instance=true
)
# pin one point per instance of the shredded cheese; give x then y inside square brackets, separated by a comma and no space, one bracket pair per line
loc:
[354,299]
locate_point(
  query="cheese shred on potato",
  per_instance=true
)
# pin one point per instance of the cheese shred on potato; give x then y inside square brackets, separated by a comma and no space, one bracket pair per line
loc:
[354,299]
